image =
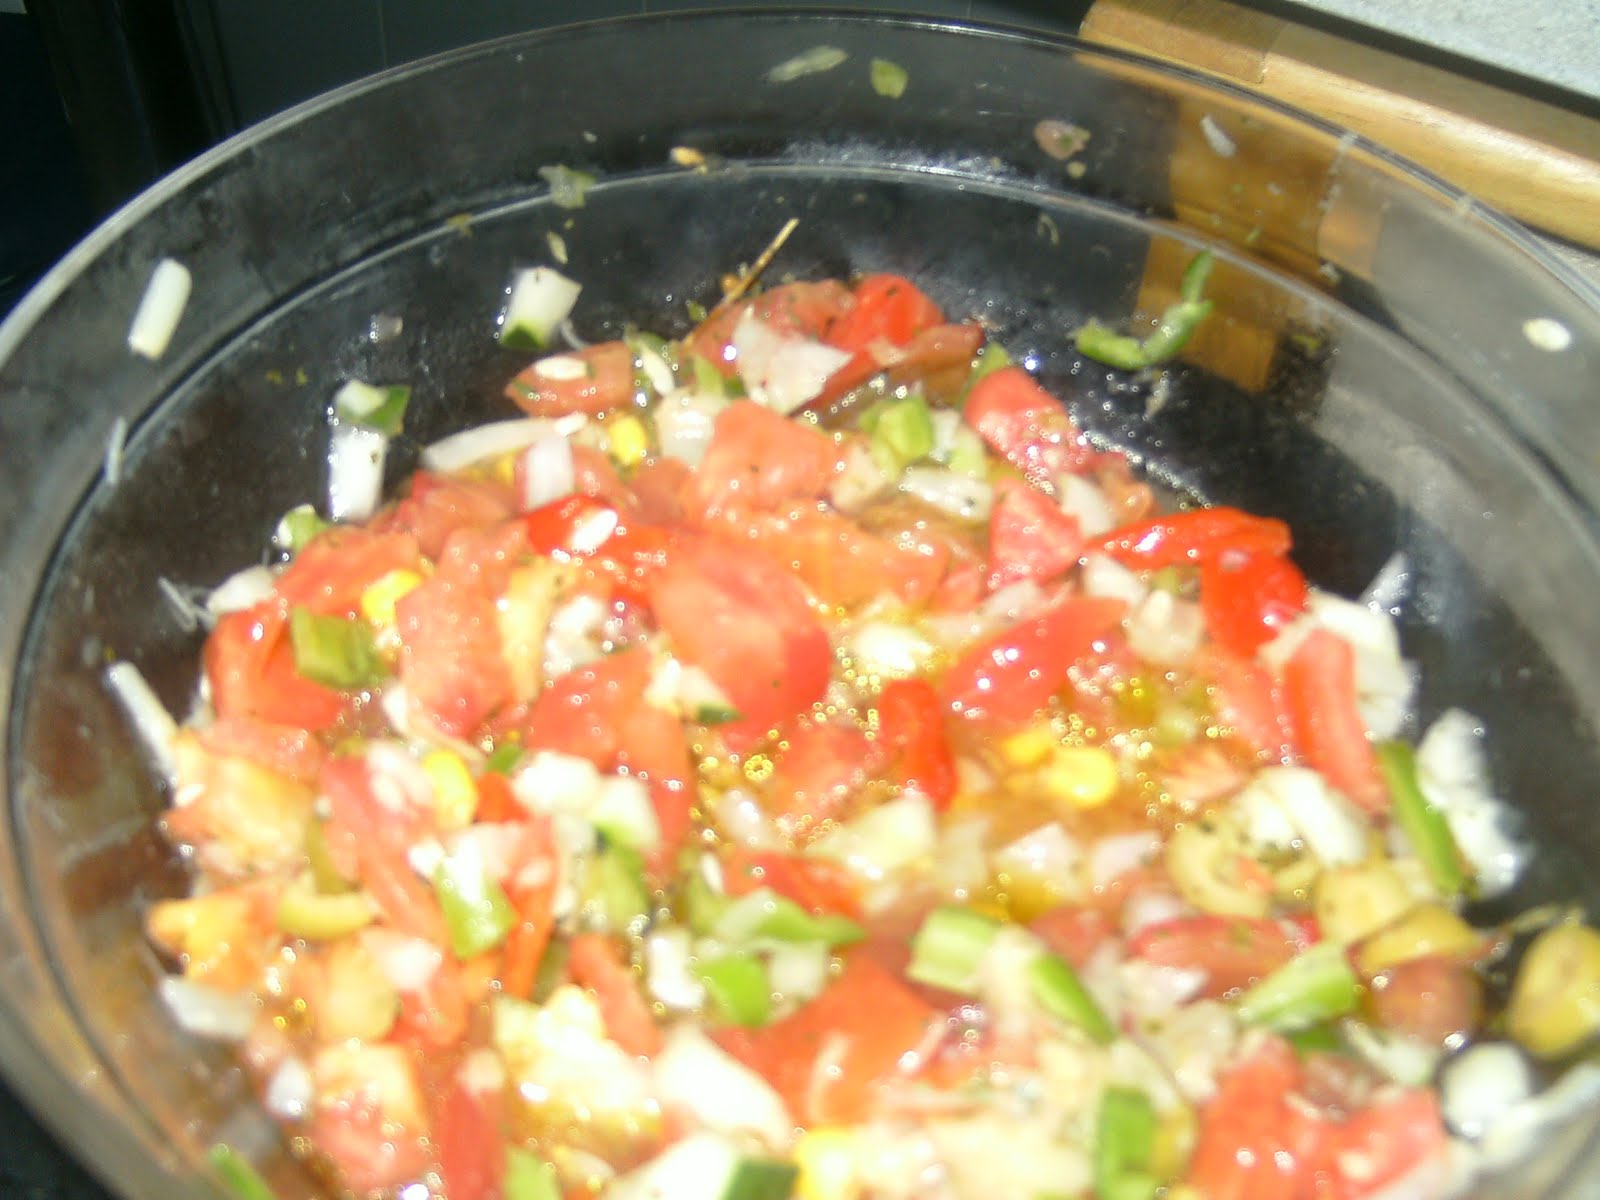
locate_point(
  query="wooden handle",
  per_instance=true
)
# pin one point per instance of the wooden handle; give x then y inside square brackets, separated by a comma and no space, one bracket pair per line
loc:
[1536,161]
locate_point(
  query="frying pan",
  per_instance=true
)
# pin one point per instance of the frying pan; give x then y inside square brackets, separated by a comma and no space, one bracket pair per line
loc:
[1369,376]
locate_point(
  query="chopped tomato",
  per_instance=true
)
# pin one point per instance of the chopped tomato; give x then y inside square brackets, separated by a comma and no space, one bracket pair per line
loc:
[1320,685]
[583,712]
[911,731]
[438,505]
[532,892]
[1197,537]
[743,620]
[1027,426]
[1427,998]
[370,1152]
[888,308]
[1029,536]
[470,1142]
[290,750]
[334,568]
[1074,932]
[496,801]
[1385,1142]
[815,884]
[847,566]
[1250,701]
[625,563]
[1007,678]
[434,1017]
[452,663]
[593,380]
[814,778]
[657,485]
[597,962]
[939,359]
[1234,952]
[829,1059]
[802,308]
[757,461]
[250,667]
[1253,1143]
[655,748]
[1248,598]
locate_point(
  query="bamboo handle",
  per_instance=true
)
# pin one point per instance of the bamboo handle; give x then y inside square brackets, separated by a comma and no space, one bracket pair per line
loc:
[1536,161]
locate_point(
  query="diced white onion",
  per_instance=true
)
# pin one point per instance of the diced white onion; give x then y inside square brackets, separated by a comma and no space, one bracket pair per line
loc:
[482,1072]
[1150,907]
[1403,1059]
[696,1075]
[859,480]
[624,813]
[291,1090]
[1194,1042]
[1083,499]
[547,471]
[1384,680]
[798,971]
[888,649]
[949,491]
[1105,576]
[667,954]
[160,309]
[962,867]
[574,634]
[1298,802]
[883,839]
[1390,586]
[1153,991]
[241,590]
[1112,857]
[541,298]
[995,612]
[684,422]
[656,370]
[1048,852]
[461,450]
[407,962]
[778,371]
[153,724]
[1455,779]
[1165,630]
[744,822]
[397,779]
[209,1012]
[355,471]
[552,782]
[490,845]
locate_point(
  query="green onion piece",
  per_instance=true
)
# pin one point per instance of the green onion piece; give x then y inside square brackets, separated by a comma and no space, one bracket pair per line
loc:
[614,886]
[889,79]
[318,916]
[707,379]
[476,910]
[528,1177]
[503,759]
[324,874]
[1314,1039]
[1094,340]
[552,971]
[738,990]
[1195,276]
[905,429]
[991,357]
[567,186]
[761,1179]
[336,652]
[1173,330]
[763,914]
[809,62]
[1125,1136]
[949,948]
[297,527]
[1058,990]
[1426,829]
[716,714]
[968,455]
[701,905]
[1313,987]
[380,409]
[697,311]
[236,1173]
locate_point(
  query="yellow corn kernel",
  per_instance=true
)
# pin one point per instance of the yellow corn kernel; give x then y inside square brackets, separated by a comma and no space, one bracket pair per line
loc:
[383,593]
[455,796]
[627,440]
[1355,901]
[1083,776]
[1031,747]
[1426,931]
[826,1159]
[1555,1002]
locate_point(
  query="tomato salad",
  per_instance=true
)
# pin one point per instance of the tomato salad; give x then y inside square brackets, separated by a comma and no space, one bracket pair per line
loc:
[668,796]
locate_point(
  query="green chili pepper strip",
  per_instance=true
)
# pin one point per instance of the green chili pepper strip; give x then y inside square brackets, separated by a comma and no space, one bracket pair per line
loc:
[1311,988]
[476,910]
[1058,990]
[1125,1137]
[1426,829]
[336,652]
[738,989]
[949,948]
[1173,330]
[1103,345]
[1195,276]
[529,1177]
[235,1171]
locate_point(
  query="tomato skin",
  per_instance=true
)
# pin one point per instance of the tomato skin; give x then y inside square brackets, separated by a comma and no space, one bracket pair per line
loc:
[1247,599]
[606,382]
[812,780]
[291,750]
[1234,952]
[1320,686]
[471,1146]
[1196,537]
[887,308]
[759,460]
[866,1021]
[1027,426]
[1007,678]
[911,729]
[250,666]
[1029,536]
[743,620]
[597,962]
[845,565]
[815,884]
[452,663]
[438,505]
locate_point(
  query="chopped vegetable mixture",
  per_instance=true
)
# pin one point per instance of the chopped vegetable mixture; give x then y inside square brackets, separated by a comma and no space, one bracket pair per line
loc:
[669,797]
